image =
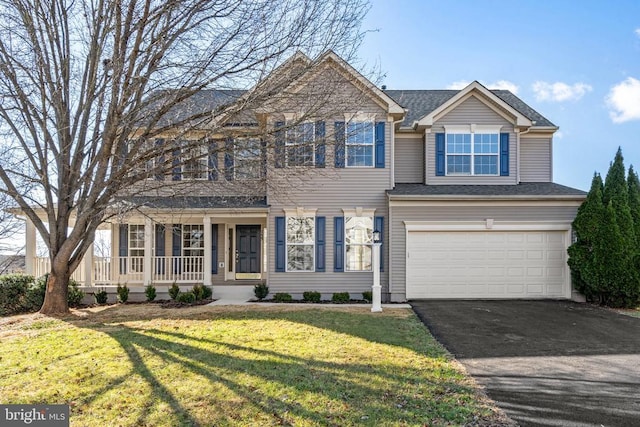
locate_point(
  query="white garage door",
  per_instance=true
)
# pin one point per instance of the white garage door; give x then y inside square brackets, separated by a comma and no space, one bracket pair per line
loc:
[487,264]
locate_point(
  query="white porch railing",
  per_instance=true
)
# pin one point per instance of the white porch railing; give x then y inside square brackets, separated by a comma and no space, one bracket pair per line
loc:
[165,269]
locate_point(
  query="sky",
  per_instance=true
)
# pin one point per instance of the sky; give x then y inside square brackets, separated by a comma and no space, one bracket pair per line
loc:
[575,62]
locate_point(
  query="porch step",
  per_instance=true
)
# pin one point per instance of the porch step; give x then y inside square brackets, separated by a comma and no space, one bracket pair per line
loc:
[233,292]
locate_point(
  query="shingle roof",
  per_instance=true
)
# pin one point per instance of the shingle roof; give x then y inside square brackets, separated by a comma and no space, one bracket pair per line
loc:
[204,101]
[422,102]
[194,202]
[533,189]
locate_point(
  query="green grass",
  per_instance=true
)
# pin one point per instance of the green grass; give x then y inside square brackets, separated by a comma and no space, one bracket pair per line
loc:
[142,365]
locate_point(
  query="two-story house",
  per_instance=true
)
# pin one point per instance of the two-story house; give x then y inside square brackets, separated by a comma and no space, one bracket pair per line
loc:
[458,182]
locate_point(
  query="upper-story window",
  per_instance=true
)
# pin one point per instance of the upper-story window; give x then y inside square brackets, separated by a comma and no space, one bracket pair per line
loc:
[194,161]
[472,150]
[248,158]
[360,139]
[300,144]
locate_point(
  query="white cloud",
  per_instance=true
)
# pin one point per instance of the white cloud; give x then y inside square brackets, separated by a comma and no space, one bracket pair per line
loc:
[637,31]
[500,84]
[624,101]
[559,91]
[558,135]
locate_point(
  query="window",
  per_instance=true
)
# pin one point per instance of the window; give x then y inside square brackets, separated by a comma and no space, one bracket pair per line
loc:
[139,151]
[192,247]
[195,162]
[358,241]
[136,248]
[248,159]
[300,240]
[359,143]
[300,144]
[472,150]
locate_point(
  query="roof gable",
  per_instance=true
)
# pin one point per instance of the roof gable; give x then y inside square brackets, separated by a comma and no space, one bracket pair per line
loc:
[484,95]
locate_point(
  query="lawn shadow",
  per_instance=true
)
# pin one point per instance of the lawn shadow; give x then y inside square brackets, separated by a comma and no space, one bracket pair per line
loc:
[251,374]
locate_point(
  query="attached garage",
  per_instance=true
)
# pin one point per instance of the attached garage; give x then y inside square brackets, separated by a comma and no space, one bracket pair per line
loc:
[501,261]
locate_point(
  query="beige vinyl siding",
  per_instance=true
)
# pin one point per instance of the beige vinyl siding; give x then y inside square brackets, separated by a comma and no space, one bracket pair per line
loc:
[409,159]
[329,190]
[535,160]
[456,212]
[471,111]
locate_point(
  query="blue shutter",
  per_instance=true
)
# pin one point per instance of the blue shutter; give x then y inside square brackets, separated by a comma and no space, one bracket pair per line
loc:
[228,159]
[177,167]
[440,153]
[378,224]
[263,156]
[339,132]
[320,145]
[214,248]
[159,166]
[338,252]
[123,247]
[159,231]
[504,154]
[320,243]
[379,151]
[213,160]
[280,145]
[280,244]
[176,247]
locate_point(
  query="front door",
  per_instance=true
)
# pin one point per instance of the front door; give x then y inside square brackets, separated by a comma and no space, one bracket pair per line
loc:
[247,251]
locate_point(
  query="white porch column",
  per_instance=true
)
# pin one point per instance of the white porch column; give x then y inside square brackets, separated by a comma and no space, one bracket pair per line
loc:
[30,247]
[88,266]
[376,289]
[207,251]
[148,247]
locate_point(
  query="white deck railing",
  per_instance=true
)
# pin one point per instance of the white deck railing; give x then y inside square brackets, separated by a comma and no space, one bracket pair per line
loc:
[106,271]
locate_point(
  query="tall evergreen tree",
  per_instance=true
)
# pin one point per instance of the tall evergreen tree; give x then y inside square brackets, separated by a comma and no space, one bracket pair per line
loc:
[586,227]
[616,192]
[633,184]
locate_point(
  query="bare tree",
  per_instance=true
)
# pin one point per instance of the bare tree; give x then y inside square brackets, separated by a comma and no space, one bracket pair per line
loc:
[79,78]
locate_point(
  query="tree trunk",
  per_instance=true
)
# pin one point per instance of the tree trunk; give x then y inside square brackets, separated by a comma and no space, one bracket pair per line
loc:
[55,298]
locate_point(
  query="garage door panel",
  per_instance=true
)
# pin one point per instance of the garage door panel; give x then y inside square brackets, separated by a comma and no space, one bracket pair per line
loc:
[487,264]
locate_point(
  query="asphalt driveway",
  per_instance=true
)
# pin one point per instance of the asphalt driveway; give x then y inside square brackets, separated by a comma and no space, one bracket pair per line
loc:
[546,363]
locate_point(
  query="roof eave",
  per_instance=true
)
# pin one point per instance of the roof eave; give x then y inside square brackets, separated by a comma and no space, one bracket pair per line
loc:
[470,197]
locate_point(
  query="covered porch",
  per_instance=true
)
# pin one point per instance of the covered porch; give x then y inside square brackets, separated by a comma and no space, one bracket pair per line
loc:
[216,247]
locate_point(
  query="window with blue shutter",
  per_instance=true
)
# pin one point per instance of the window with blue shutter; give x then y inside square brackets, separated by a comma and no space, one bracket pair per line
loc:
[504,154]
[338,252]
[176,247]
[379,226]
[380,149]
[320,144]
[177,165]
[123,247]
[228,159]
[280,145]
[214,248]
[280,245]
[213,161]
[320,243]
[440,154]
[160,262]
[339,134]
[159,162]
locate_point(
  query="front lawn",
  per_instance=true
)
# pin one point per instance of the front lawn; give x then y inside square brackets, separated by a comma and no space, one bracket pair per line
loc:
[142,365]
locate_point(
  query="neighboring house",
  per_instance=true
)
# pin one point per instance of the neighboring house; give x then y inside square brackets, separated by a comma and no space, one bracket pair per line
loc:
[458,182]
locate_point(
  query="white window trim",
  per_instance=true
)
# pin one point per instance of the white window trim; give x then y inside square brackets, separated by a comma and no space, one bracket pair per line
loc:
[236,148]
[471,129]
[292,124]
[202,157]
[183,248]
[357,212]
[299,212]
[360,117]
